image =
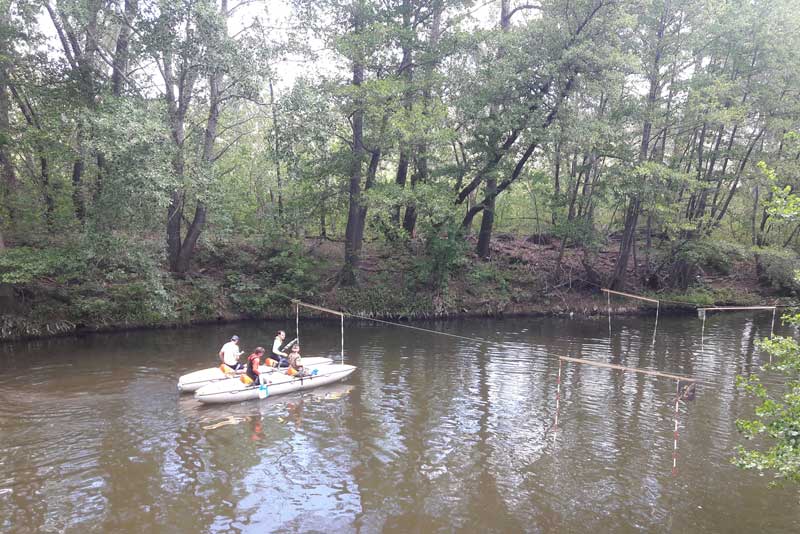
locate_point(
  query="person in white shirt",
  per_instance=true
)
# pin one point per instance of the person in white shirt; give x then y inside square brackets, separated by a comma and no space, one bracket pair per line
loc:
[277,354]
[229,354]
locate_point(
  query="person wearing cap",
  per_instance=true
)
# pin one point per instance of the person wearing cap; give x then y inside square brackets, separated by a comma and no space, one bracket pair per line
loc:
[229,354]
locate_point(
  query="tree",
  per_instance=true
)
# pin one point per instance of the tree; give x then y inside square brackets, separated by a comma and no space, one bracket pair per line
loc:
[190,43]
[525,90]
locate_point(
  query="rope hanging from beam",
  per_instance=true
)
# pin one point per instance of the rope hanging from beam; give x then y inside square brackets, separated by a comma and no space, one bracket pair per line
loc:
[609,292]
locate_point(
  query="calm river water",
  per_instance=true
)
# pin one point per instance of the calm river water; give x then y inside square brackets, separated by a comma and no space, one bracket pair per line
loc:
[431,434]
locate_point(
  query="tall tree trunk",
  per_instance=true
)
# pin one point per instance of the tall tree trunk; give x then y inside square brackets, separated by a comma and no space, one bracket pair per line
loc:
[215,80]
[120,63]
[276,148]
[6,164]
[32,120]
[487,221]
[634,203]
[353,234]
[177,108]
[421,159]
[490,191]
[407,74]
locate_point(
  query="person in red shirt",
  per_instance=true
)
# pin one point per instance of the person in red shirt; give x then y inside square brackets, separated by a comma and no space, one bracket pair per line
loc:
[253,361]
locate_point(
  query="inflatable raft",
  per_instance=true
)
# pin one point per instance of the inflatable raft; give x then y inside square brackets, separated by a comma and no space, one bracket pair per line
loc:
[197,379]
[276,383]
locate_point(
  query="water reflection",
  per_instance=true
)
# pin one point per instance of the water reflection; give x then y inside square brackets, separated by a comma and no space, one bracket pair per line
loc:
[431,434]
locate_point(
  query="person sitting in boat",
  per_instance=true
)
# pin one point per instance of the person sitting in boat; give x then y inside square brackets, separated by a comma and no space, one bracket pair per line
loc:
[253,362]
[277,354]
[295,362]
[229,355]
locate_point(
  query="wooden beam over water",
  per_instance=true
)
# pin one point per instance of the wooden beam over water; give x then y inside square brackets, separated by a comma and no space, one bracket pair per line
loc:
[628,369]
[318,308]
[737,308]
[629,295]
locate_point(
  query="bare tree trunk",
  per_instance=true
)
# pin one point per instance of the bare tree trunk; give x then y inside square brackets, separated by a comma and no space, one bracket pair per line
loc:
[407,73]
[6,164]
[120,63]
[353,234]
[634,204]
[177,108]
[490,191]
[215,80]
[277,157]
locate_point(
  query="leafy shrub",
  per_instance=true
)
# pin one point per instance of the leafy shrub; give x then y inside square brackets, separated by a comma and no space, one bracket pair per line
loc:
[199,300]
[287,274]
[24,264]
[778,268]
[489,277]
[294,273]
[712,254]
[444,254]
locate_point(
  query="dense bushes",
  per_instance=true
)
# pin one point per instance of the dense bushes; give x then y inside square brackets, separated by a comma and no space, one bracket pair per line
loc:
[778,269]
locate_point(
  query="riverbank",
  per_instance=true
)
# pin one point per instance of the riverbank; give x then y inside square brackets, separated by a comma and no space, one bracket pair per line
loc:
[242,281]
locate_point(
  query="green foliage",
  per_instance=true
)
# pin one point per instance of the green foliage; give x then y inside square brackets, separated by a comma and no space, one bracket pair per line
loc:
[386,298]
[778,268]
[23,265]
[784,204]
[444,252]
[486,278]
[263,282]
[704,297]
[712,254]
[200,300]
[776,419]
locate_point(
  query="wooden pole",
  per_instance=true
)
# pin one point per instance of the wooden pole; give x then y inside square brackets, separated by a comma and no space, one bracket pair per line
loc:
[318,308]
[675,434]
[628,369]
[737,308]
[609,291]
[558,401]
[608,299]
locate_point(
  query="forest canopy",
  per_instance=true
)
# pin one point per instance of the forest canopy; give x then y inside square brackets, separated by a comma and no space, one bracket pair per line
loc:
[140,140]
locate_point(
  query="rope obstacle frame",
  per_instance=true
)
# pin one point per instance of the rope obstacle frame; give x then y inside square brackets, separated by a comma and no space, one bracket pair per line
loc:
[691,382]
[701,313]
[678,394]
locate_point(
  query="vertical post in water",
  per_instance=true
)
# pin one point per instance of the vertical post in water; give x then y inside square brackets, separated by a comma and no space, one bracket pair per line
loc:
[342,339]
[772,331]
[558,400]
[608,299]
[772,327]
[703,334]
[655,328]
[675,434]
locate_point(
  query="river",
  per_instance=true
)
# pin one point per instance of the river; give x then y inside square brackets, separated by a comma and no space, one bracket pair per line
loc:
[431,433]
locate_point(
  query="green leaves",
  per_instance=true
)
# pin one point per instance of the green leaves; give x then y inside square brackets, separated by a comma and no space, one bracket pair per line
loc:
[777,416]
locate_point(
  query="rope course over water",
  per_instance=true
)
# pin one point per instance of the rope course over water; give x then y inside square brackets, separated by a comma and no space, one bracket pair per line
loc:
[678,394]
[609,292]
[701,312]
[687,392]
